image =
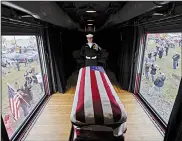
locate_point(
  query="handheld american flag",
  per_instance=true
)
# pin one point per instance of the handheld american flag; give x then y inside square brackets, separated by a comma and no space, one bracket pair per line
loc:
[14,103]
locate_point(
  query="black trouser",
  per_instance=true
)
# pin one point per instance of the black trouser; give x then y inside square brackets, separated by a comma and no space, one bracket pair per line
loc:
[90,62]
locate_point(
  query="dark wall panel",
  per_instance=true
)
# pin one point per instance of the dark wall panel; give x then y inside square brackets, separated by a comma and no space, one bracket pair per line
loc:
[122,47]
[57,58]
[110,40]
[71,40]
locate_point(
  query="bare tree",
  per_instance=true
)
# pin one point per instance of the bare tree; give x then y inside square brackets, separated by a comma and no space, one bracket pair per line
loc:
[32,41]
[3,40]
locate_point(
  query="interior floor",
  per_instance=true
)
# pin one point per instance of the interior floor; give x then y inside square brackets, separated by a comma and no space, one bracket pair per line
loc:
[54,122]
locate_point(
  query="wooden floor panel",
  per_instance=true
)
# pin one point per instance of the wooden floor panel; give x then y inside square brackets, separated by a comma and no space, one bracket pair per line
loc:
[54,122]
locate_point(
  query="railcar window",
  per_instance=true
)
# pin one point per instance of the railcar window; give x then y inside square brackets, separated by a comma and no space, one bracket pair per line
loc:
[22,82]
[161,72]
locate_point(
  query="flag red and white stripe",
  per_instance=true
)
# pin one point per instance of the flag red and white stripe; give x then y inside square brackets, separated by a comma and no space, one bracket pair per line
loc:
[96,101]
[14,103]
[46,85]
[137,83]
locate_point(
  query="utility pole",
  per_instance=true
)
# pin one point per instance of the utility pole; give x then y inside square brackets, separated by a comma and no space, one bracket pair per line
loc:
[15,41]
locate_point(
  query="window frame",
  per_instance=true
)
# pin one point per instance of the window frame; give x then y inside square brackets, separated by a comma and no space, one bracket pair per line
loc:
[153,113]
[43,67]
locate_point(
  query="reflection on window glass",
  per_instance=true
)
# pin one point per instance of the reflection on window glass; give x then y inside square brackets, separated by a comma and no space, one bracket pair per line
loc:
[22,83]
[162,71]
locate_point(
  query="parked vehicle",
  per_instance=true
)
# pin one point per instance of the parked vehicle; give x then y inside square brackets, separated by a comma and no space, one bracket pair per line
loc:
[20,58]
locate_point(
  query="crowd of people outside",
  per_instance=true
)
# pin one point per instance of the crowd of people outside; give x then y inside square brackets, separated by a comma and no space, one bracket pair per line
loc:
[151,67]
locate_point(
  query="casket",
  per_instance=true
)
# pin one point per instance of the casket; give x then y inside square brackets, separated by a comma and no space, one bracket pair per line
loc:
[96,106]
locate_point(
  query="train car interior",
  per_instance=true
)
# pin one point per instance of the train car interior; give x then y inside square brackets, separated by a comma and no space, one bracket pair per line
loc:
[91,70]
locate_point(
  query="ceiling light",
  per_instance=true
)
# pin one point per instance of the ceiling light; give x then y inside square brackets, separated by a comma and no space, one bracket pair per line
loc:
[26,16]
[158,14]
[90,11]
[90,20]
[89,24]
[159,6]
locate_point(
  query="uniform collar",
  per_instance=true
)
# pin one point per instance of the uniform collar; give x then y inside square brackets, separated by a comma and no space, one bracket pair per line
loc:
[88,43]
[91,46]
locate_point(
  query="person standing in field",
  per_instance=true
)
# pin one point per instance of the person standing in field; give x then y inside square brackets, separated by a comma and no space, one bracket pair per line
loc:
[153,71]
[149,59]
[26,74]
[175,60]
[23,101]
[25,61]
[146,67]
[150,56]
[157,48]
[161,50]
[158,84]
[17,65]
[155,54]
[166,48]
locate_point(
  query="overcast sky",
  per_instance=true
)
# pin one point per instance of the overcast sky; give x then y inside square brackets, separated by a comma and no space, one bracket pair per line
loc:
[16,37]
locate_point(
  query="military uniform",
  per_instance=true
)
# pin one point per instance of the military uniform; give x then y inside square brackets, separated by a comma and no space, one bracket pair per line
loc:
[91,54]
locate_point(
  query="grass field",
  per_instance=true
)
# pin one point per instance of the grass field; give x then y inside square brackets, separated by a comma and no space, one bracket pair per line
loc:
[171,84]
[18,76]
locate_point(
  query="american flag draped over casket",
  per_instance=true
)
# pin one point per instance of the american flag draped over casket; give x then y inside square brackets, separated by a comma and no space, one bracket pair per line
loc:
[95,101]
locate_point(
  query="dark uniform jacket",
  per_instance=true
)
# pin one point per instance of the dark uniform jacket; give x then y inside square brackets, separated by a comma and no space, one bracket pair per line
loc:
[93,51]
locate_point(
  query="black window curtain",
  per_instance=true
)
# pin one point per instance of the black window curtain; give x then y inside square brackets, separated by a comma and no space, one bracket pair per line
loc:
[44,52]
[110,40]
[174,128]
[126,58]
[56,55]
[71,40]
[138,55]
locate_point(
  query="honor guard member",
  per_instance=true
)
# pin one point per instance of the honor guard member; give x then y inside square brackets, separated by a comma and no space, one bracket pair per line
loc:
[90,51]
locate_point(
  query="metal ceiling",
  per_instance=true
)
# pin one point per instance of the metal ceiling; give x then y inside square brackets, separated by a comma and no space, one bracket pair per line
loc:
[77,11]
[73,15]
